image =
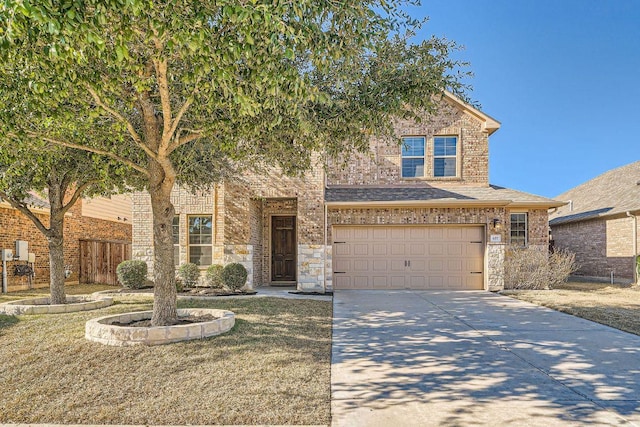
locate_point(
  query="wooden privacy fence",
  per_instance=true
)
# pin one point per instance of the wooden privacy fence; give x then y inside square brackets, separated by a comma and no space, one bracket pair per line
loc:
[99,260]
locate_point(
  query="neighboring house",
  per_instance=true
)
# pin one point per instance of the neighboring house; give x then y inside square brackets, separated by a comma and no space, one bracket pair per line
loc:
[422,215]
[97,236]
[599,223]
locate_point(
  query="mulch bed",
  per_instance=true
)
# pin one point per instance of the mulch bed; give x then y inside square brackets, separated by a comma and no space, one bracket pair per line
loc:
[191,292]
[183,320]
[214,292]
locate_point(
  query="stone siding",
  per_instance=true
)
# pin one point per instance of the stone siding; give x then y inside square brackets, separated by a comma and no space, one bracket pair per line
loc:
[311,268]
[16,226]
[382,164]
[601,246]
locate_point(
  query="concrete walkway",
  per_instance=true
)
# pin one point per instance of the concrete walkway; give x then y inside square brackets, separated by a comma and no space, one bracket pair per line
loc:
[411,358]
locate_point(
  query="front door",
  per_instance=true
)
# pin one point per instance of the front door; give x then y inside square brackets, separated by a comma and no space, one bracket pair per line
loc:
[283,249]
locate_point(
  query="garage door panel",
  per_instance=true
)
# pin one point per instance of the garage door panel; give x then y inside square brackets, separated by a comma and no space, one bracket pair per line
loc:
[416,257]
[342,264]
[396,248]
[362,265]
[341,249]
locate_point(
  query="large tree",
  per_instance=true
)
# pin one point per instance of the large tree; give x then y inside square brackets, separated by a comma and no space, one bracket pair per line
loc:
[59,175]
[191,87]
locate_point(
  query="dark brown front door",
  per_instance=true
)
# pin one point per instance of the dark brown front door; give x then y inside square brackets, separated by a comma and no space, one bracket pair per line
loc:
[283,249]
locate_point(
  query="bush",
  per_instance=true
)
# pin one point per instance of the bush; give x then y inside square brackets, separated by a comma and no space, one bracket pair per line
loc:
[132,274]
[179,287]
[214,276]
[234,276]
[189,273]
[533,268]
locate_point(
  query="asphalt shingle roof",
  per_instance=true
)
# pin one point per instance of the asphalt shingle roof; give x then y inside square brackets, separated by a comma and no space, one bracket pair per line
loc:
[492,193]
[612,193]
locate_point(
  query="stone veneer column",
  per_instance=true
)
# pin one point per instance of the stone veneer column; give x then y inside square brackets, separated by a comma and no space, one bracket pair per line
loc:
[142,224]
[311,268]
[495,267]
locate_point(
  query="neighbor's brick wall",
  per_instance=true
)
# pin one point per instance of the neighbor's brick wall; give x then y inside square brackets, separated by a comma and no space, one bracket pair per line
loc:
[16,226]
[600,245]
[382,164]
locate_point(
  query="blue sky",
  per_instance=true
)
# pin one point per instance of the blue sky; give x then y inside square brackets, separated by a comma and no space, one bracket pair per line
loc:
[563,78]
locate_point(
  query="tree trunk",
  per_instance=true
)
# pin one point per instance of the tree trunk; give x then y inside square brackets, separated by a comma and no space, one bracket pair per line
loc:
[55,237]
[164,302]
[56,268]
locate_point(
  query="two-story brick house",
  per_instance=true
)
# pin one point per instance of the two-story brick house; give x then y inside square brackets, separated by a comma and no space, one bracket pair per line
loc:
[420,215]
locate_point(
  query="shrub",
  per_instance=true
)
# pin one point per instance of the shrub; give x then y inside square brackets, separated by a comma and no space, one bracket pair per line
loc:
[189,273]
[214,276]
[132,274]
[533,268]
[179,286]
[234,276]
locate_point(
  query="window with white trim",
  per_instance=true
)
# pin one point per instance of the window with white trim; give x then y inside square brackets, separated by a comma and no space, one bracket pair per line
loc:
[445,156]
[175,231]
[519,229]
[413,157]
[200,239]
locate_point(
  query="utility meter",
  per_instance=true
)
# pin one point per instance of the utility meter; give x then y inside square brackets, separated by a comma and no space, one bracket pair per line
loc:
[6,255]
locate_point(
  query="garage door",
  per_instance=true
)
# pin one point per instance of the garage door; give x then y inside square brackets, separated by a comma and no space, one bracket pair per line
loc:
[408,257]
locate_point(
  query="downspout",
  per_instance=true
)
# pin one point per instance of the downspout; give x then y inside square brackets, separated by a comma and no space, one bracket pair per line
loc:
[324,228]
[635,245]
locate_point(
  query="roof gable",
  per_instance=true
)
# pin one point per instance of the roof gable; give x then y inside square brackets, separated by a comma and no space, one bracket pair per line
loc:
[488,123]
[612,193]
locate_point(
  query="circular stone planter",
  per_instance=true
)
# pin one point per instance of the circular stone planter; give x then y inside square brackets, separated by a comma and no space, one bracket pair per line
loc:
[42,306]
[103,330]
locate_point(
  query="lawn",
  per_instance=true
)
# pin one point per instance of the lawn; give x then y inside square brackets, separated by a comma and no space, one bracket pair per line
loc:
[272,368]
[612,305]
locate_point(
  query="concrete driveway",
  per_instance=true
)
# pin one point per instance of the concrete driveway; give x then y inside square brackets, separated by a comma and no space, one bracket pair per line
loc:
[438,358]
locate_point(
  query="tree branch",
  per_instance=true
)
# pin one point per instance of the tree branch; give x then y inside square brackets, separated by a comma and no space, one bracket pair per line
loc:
[24,209]
[191,137]
[176,122]
[114,156]
[165,99]
[121,118]
[76,195]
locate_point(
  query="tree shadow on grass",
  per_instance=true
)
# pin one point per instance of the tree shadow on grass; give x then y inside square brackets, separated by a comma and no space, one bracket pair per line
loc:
[7,321]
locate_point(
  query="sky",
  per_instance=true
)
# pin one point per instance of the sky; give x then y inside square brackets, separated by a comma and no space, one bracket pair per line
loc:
[563,78]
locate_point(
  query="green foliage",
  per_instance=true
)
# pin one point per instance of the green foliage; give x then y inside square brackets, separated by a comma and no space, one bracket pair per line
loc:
[132,274]
[192,92]
[214,276]
[234,276]
[189,273]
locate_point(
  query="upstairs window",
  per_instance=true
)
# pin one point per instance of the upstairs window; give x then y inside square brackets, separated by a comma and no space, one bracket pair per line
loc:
[519,229]
[175,231]
[412,157]
[445,158]
[200,240]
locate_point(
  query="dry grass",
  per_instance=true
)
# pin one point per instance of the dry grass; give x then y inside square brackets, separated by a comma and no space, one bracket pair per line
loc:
[615,306]
[75,289]
[272,368]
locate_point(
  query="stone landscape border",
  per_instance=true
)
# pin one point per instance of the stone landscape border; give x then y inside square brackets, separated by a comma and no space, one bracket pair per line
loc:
[102,329]
[41,305]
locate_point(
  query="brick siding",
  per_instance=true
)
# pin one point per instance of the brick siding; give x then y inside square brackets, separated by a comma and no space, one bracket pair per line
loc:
[601,246]
[16,226]
[381,166]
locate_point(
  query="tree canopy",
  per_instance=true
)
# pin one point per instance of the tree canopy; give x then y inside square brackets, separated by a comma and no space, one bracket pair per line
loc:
[189,91]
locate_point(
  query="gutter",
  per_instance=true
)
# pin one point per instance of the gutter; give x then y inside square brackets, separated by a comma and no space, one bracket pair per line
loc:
[635,245]
[441,203]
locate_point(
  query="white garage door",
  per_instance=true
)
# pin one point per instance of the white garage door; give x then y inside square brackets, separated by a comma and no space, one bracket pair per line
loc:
[408,257]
